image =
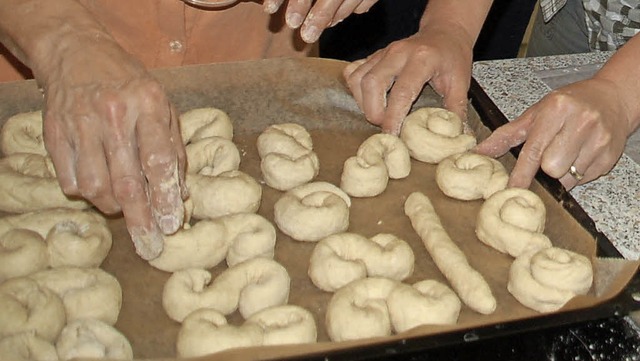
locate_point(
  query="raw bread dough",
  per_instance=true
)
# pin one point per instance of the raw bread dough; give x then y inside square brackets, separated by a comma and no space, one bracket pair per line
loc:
[468,283]
[512,221]
[85,292]
[432,134]
[201,123]
[287,156]
[205,331]
[469,176]
[26,306]
[90,338]
[249,286]
[344,257]
[22,252]
[373,307]
[22,133]
[545,280]
[380,157]
[312,211]
[27,346]
[212,156]
[28,183]
[236,237]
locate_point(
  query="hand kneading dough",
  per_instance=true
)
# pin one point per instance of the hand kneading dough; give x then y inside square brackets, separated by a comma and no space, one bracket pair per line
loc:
[237,237]
[512,221]
[380,157]
[26,306]
[287,156]
[432,134]
[28,183]
[201,123]
[312,211]
[27,347]
[249,286]
[344,257]
[89,338]
[545,280]
[470,176]
[205,331]
[22,133]
[85,292]
[372,307]
[468,283]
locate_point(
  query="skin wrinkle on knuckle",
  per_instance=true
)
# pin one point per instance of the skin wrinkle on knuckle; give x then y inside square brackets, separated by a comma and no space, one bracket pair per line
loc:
[127,189]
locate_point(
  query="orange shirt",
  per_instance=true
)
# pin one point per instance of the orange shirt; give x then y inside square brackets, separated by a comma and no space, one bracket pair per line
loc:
[166,33]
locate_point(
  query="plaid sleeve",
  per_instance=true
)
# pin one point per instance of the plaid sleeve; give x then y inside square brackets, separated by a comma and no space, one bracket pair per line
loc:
[550,7]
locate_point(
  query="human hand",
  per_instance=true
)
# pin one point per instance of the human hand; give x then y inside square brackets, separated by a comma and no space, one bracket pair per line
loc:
[313,17]
[386,84]
[114,138]
[580,128]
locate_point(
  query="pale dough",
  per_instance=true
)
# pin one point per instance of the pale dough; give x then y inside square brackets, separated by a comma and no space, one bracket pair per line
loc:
[432,134]
[380,157]
[287,156]
[22,252]
[468,283]
[90,338]
[236,237]
[469,176]
[28,183]
[212,156]
[249,287]
[512,221]
[206,331]
[200,123]
[546,279]
[27,346]
[22,133]
[374,307]
[344,257]
[312,211]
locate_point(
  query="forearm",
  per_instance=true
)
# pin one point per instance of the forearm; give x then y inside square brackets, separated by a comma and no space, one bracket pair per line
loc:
[465,15]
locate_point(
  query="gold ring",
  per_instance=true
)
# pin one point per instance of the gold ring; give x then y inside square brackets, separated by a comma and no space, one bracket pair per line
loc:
[575,174]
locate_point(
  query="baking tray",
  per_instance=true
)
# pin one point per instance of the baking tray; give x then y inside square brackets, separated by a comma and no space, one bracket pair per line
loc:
[256,94]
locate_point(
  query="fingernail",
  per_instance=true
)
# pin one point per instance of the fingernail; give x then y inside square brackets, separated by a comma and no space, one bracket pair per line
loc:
[310,34]
[294,20]
[170,223]
[148,244]
[270,8]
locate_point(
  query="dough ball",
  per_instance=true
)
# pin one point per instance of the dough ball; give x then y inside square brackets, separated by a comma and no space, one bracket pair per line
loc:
[200,123]
[287,156]
[546,279]
[26,306]
[22,252]
[432,134]
[28,183]
[22,133]
[312,211]
[27,347]
[512,221]
[85,292]
[90,338]
[380,157]
[344,257]
[249,286]
[470,176]
[212,156]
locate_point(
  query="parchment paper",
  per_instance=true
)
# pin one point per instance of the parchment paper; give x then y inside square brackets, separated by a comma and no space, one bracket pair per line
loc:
[311,92]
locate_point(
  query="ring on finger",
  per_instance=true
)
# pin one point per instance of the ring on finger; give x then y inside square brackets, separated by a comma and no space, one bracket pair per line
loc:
[575,174]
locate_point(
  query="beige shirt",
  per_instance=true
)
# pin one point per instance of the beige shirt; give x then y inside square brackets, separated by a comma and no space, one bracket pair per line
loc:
[168,33]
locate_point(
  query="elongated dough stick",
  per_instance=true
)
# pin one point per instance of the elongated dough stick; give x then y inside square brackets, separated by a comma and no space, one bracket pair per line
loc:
[465,280]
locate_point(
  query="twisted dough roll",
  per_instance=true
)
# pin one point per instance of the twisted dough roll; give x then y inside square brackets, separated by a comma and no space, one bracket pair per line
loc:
[205,331]
[372,307]
[432,134]
[512,221]
[468,283]
[312,211]
[212,156]
[469,176]
[85,292]
[22,133]
[287,156]
[545,280]
[27,346]
[249,286]
[52,238]
[89,338]
[344,257]
[26,306]
[28,183]
[380,157]
[201,123]
[236,237]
